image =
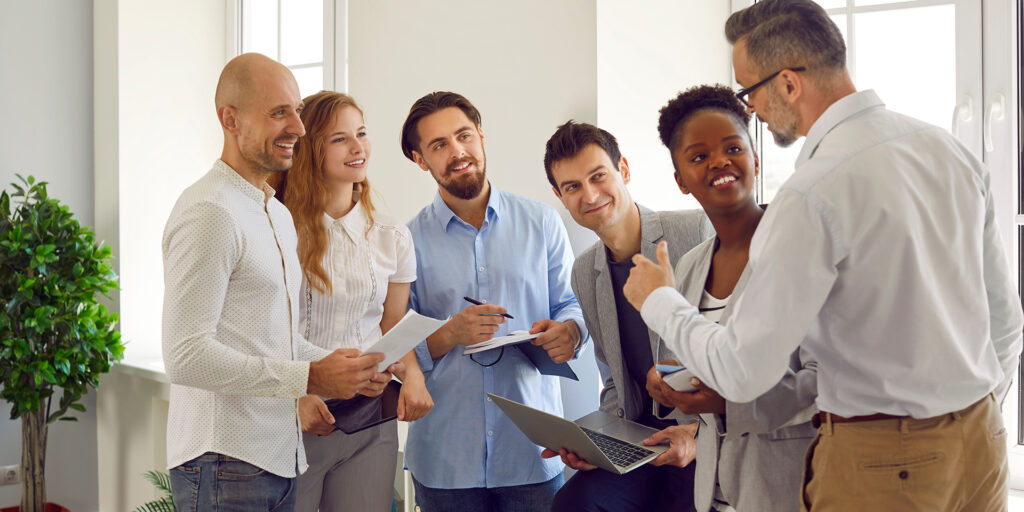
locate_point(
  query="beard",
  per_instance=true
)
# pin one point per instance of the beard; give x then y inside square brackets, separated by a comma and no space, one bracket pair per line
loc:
[260,159]
[784,119]
[466,186]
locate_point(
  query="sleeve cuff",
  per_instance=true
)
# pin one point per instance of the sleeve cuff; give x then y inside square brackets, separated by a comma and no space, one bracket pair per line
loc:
[660,305]
[423,357]
[294,379]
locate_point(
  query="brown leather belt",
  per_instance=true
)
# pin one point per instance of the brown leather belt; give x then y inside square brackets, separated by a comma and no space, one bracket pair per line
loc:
[822,417]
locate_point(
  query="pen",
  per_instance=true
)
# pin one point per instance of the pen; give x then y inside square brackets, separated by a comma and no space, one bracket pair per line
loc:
[478,303]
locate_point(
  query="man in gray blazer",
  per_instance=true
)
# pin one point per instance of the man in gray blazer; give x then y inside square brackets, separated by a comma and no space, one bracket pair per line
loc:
[589,176]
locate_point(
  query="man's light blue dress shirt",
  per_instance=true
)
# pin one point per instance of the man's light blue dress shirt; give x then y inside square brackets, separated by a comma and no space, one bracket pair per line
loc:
[520,259]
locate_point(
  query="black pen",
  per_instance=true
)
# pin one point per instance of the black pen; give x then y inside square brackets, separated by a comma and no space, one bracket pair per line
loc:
[478,303]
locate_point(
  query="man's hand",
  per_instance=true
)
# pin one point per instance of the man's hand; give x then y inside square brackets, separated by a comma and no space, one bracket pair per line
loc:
[558,339]
[414,401]
[647,276]
[703,400]
[342,373]
[468,327]
[569,459]
[682,446]
[656,384]
[314,416]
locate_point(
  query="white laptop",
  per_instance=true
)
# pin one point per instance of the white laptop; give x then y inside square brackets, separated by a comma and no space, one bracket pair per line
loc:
[602,439]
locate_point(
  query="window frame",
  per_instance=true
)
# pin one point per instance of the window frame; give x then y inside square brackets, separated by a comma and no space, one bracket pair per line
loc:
[335,43]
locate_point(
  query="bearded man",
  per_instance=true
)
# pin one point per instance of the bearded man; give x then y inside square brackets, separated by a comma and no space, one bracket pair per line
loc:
[511,255]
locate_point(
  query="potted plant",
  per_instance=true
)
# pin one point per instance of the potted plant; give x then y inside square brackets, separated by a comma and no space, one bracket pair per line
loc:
[55,336]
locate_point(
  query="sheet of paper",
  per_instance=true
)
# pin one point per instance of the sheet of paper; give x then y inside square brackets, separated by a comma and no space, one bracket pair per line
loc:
[509,339]
[404,336]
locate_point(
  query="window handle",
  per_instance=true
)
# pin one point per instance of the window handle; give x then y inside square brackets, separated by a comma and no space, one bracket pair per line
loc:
[963,113]
[996,112]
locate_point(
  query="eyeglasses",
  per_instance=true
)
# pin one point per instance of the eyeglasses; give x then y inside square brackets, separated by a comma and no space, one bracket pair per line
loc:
[743,93]
[487,365]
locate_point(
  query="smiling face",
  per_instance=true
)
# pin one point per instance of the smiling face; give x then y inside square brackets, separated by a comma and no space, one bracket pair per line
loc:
[714,162]
[269,124]
[591,188]
[452,150]
[346,148]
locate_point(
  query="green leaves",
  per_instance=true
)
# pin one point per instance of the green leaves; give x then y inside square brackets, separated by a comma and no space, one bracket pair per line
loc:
[54,334]
[161,481]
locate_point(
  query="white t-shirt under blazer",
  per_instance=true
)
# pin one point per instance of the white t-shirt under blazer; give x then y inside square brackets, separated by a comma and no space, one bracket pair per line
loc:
[359,264]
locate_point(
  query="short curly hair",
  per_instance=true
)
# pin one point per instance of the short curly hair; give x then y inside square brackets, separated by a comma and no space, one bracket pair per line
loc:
[674,115]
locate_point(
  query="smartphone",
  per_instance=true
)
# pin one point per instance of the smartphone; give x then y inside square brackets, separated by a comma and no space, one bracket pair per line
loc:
[668,369]
[678,377]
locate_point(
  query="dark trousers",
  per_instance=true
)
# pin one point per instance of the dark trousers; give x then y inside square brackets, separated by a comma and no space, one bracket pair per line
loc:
[643,489]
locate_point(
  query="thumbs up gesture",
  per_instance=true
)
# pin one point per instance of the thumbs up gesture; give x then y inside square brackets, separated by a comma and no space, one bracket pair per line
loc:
[647,276]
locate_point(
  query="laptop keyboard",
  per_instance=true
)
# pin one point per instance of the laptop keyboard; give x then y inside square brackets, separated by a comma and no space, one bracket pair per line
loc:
[619,452]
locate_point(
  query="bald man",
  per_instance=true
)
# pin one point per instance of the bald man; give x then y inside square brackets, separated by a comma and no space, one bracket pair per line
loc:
[232,350]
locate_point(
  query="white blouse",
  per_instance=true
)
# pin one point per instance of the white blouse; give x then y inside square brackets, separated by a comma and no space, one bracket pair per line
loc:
[359,264]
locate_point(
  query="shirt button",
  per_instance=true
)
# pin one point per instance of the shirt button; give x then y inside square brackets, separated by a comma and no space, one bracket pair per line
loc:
[490,432]
[620,413]
[481,269]
[489,399]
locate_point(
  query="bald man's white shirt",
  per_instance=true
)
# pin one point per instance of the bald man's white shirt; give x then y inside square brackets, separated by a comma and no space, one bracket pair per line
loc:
[882,254]
[232,349]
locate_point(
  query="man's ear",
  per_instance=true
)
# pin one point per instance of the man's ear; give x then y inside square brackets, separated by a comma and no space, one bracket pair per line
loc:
[418,158]
[757,165]
[679,183]
[792,86]
[228,117]
[480,130]
[624,169]
[557,194]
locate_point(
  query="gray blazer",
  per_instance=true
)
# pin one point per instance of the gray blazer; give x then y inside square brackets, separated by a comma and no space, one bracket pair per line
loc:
[592,283]
[757,453]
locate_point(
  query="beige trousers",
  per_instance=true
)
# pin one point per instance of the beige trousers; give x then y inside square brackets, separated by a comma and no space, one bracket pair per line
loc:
[952,462]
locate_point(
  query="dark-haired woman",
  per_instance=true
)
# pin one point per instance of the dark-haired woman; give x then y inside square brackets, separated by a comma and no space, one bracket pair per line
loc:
[749,455]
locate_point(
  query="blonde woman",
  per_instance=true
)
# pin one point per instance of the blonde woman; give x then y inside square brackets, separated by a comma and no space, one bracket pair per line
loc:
[357,268]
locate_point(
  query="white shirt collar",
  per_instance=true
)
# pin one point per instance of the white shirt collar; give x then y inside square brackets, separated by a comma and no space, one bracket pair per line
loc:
[843,109]
[353,222]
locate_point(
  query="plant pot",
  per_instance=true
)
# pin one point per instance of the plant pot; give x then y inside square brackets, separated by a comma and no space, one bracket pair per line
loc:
[50,507]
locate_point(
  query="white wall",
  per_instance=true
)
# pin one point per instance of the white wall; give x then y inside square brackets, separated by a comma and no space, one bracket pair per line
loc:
[645,57]
[169,58]
[156,69]
[46,97]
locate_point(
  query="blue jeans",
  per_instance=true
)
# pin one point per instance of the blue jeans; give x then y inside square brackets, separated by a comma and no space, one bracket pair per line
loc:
[515,498]
[217,482]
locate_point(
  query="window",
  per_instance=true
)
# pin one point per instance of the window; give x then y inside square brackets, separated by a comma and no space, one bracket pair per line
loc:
[920,76]
[291,32]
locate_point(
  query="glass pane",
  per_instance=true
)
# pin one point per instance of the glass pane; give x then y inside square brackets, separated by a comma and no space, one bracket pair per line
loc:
[916,76]
[302,32]
[259,27]
[840,21]
[882,2]
[776,165]
[311,80]
[831,4]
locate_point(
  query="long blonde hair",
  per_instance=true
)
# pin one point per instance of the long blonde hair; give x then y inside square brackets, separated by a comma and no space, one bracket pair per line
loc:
[303,188]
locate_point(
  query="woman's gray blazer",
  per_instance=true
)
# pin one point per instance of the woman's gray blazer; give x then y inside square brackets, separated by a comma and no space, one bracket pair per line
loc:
[758,450]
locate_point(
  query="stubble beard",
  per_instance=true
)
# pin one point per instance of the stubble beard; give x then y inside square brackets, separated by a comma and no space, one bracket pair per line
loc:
[784,120]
